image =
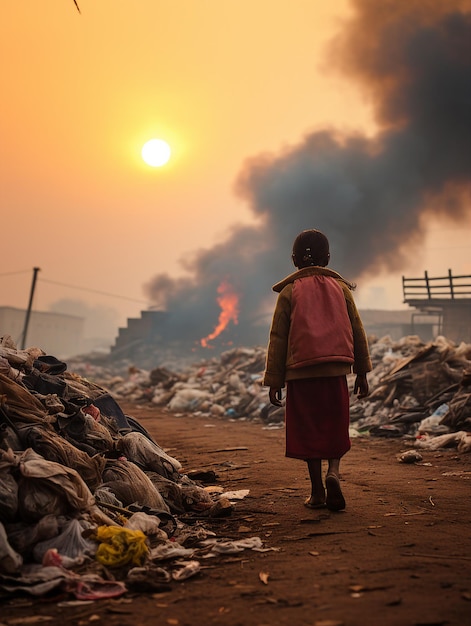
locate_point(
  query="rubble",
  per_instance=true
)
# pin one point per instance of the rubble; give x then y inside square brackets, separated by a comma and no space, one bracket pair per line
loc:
[87,495]
[417,390]
[83,485]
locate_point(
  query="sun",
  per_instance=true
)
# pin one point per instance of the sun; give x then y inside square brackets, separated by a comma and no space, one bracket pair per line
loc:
[156,152]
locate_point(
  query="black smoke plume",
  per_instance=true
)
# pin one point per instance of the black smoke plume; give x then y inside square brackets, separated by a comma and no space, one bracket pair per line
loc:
[370,196]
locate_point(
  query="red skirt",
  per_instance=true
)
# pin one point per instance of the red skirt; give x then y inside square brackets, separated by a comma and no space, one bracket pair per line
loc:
[317,418]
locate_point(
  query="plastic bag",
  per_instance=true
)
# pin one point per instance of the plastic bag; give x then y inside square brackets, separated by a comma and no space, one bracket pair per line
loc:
[130,485]
[149,456]
[10,561]
[120,546]
[148,524]
[70,542]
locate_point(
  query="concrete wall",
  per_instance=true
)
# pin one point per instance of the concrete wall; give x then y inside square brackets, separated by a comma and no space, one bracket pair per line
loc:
[457,321]
[55,333]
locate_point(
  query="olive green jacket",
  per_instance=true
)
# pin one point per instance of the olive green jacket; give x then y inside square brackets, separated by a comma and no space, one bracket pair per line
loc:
[281,365]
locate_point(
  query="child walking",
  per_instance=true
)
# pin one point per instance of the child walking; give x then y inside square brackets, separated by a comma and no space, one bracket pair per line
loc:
[316,338]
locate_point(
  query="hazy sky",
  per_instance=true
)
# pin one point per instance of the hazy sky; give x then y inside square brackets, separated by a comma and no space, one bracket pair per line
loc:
[224,82]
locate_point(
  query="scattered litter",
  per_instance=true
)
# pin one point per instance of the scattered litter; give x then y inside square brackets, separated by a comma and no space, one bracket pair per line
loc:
[462,473]
[81,482]
[410,456]
[236,495]
[264,576]
[232,547]
[84,488]
[185,569]
[417,390]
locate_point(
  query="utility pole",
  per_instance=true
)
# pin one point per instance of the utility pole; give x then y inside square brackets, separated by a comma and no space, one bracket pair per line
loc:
[30,305]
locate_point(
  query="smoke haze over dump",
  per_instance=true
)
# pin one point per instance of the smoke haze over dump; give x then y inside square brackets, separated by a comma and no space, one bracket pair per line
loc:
[370,195]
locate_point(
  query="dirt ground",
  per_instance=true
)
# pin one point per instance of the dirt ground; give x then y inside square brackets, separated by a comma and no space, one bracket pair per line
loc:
[399,555]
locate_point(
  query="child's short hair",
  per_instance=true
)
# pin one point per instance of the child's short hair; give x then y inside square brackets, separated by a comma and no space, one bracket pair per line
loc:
[311,247]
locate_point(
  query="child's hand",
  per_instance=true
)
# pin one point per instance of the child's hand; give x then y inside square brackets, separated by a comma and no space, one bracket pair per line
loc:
[361,386]
[275,395]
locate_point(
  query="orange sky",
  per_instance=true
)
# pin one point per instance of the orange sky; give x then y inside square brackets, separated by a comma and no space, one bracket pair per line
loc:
[221,81]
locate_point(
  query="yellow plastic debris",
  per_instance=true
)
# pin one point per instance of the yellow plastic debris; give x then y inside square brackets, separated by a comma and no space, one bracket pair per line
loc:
[120,546]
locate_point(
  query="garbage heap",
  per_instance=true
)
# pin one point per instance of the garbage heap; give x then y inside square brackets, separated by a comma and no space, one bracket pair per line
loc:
[418,391]
[86,491]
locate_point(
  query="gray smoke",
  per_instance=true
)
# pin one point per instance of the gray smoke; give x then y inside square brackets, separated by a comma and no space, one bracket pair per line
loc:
[370,196]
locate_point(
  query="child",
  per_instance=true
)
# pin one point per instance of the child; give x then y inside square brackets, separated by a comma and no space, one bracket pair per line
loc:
[316,337]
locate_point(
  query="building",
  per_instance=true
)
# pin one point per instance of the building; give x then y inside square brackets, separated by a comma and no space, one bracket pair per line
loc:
[147,329]
[55,333]
[444,300]
[395,324]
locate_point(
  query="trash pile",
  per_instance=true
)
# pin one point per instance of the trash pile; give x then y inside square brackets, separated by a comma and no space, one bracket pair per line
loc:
[227,386]
[420,391]
[91,505]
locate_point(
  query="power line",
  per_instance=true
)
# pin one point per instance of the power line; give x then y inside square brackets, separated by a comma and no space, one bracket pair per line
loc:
[53,282]
[13,273]
[102,293]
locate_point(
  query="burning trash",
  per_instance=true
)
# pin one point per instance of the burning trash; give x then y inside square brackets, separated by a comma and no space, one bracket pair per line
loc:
[228,300]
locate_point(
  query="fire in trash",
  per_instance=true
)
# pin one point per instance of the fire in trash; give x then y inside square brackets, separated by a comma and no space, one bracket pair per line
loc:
[228,300]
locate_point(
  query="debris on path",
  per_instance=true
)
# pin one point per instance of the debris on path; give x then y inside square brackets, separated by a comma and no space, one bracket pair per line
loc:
[417,390]
[91,504]
[86,491]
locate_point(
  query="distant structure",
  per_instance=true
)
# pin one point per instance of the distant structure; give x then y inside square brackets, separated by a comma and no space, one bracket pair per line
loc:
[147,329]
[56,334]
[379,323]
[444,300]
[147,333]
[442,306]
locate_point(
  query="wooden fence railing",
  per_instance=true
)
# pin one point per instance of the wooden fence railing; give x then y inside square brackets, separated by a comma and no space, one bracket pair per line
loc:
[436,288]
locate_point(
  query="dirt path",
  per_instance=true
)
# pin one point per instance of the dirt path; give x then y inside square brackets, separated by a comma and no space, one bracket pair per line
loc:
[398,556]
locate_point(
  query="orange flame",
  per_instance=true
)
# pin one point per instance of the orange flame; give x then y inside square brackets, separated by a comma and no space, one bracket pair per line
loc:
[228,300]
